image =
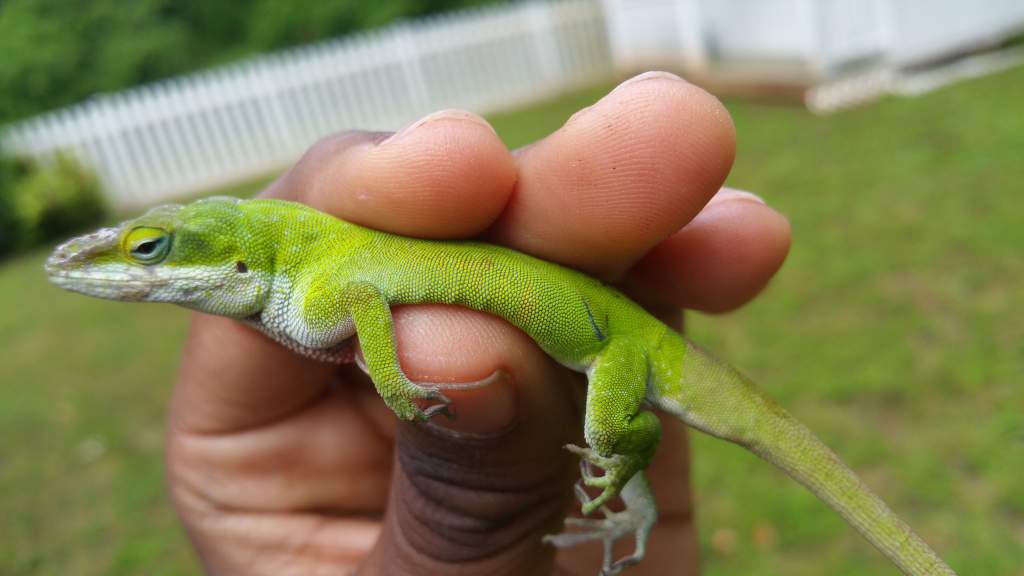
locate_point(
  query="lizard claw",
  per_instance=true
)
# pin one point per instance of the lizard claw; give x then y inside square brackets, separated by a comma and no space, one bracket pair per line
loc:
[440,404]
[405,407]
[431,392]
[436,409]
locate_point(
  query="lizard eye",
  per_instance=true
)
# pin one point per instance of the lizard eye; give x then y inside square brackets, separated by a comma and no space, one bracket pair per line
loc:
[148,245]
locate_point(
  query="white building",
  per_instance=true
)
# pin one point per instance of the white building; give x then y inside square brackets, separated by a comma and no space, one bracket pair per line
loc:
[798,45]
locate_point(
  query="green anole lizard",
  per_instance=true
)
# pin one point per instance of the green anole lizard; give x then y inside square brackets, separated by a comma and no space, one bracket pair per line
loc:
[311,281]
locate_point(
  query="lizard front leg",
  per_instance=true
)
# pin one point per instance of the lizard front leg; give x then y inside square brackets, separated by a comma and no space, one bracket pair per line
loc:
[371,314]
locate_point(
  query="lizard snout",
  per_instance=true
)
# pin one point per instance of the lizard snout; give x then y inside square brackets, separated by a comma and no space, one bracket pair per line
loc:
[79,250]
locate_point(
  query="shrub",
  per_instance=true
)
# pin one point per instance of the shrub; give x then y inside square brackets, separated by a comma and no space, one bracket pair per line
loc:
[44,200]
[10,225]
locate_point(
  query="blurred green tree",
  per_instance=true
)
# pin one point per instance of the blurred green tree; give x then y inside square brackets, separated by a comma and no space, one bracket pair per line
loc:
[9,225]
[42,200]
[55,53]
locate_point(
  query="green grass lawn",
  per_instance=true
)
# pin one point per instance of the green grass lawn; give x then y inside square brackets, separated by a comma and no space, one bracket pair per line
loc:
[895,330]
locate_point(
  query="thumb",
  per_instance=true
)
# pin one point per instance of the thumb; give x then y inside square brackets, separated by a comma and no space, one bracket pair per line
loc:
[477,494]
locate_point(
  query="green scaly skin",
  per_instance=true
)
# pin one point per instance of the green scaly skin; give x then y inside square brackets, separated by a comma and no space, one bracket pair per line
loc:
[311,281]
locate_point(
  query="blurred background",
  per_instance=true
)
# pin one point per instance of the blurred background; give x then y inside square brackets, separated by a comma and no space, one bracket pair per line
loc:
[890,132]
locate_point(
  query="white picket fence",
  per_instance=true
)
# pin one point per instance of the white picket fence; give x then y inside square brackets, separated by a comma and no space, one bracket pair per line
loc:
[194,132]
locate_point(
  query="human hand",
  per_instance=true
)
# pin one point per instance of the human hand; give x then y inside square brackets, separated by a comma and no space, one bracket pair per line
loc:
[281,465]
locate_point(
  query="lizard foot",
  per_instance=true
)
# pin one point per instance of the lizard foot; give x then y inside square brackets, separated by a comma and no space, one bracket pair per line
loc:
[404,404]
[618,469]
[403,401]
[637,519]
[443,405]
[431,391]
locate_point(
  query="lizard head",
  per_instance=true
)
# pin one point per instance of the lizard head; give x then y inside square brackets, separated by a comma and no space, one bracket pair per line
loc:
[197,255]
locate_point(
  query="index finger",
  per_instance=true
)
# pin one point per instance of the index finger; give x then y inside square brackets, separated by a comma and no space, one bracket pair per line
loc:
[447,175]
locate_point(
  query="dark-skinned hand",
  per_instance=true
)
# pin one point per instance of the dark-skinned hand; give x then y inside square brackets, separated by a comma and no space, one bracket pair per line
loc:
[280,465]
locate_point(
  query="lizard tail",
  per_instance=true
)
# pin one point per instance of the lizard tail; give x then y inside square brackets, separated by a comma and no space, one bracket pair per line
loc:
[718,400]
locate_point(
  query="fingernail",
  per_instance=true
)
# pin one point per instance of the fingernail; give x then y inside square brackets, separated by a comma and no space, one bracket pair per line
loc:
[731,194]
[652,75]
[449,115]
[484,408]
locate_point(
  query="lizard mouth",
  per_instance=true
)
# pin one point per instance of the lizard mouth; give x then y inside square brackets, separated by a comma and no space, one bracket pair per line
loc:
[110,286]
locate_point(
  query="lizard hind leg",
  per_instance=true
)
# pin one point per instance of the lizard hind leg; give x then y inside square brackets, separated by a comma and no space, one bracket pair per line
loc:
[622,439]
[621,436]
[636,519]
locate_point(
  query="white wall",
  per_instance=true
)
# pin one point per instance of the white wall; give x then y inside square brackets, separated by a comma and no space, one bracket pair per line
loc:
[758,30]
[928,29]
[823,35]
